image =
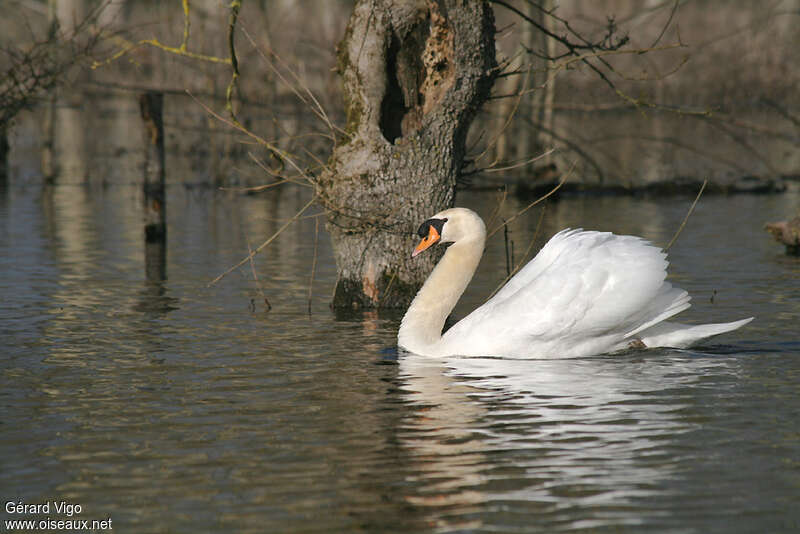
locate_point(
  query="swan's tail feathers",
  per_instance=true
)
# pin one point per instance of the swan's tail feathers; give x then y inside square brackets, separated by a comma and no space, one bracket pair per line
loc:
[670,301]
[681,335]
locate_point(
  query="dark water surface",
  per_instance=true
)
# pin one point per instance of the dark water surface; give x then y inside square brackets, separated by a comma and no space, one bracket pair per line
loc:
[169,406]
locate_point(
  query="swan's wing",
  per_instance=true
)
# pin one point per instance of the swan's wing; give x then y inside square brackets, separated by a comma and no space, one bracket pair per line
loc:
[582,286]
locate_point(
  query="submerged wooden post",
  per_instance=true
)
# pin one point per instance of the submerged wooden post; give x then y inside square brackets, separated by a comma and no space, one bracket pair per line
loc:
[4,149]
[48,156]
[155,225]
[49,167]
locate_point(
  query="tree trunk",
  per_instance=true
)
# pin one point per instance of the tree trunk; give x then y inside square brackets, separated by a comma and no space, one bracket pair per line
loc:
[415,72]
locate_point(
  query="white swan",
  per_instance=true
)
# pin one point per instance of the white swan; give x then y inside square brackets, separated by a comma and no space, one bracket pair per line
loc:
[584,293]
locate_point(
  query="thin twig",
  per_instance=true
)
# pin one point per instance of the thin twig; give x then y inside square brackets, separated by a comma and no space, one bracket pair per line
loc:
[669,21]
[540,199]
[314,104]
[519,265]
[505,238]
[272,173]
[598,51]
[260,140]
[386,291]
[313,263]
[182,50]
[255,277]
[688,214]
[185,41]
[499,206]
[265,243]
[781,110]
[506,124]
[256,188]
[130,46]
[519,164]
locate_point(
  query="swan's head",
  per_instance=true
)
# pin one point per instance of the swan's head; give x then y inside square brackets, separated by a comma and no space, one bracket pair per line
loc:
[450,226]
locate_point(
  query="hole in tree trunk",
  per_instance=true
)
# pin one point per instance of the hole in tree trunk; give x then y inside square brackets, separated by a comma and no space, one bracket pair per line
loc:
[402,106]
[393,106]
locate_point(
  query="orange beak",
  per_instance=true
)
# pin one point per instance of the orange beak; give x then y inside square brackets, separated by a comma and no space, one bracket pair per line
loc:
[427,242]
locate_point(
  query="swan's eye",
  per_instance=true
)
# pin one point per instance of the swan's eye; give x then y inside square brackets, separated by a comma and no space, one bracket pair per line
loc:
[436,223]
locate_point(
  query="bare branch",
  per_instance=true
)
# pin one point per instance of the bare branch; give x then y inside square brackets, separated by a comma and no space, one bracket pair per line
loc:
[307,97]
[260,140]
[537,201]
[605,44]
[522,262]
[688,214]
[255,277]
[181,50]
[40,66]
[313,263]
[265,243]
[666,25]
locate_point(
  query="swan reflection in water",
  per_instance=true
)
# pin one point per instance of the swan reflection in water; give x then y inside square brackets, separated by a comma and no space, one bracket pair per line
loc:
[589,434]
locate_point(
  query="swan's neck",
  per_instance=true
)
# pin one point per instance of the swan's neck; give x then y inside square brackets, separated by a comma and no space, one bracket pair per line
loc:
[421,328]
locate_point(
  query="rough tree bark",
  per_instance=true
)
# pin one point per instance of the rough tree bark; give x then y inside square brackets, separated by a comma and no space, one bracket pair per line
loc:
[414,72]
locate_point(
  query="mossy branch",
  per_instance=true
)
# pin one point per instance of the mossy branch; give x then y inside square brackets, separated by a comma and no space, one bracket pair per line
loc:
[181,50]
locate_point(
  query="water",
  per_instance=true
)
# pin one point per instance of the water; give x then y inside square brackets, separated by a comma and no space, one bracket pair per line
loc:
[170,406]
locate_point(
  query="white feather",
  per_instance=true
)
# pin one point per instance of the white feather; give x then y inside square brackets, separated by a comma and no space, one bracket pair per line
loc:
[584,293]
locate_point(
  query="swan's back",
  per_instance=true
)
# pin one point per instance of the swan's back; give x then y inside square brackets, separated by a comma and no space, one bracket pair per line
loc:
[585,292]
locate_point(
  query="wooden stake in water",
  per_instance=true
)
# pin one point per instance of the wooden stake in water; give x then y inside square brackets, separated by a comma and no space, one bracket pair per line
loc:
[4,150]
[155,225]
